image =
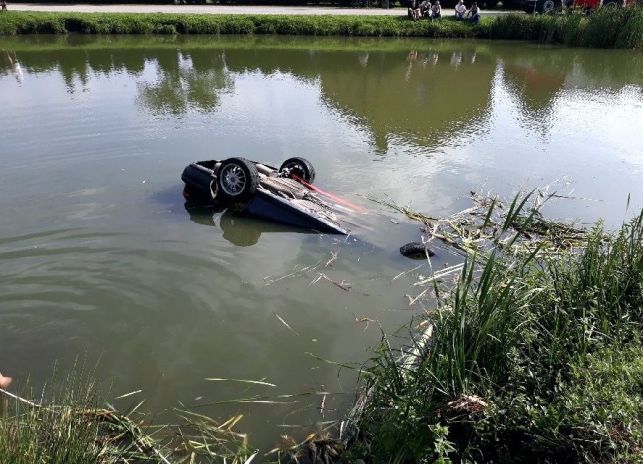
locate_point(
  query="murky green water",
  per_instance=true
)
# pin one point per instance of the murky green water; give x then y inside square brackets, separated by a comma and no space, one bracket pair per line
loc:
[99,258]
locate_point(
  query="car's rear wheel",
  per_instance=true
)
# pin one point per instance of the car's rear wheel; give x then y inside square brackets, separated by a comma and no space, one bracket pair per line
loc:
[548,7]
[237,180]
[299,167]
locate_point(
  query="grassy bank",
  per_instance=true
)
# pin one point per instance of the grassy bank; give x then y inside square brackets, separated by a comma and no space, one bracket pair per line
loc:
[535,354]
[72,424]
[622,28]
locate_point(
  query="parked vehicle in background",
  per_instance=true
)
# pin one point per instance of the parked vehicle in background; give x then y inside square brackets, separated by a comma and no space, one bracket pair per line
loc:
[551,6]
[545,6]
[595,4]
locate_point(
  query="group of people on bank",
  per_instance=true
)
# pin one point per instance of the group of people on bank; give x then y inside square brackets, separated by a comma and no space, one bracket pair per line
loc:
[424,9]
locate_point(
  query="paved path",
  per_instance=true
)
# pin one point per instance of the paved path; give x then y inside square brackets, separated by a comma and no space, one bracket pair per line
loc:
[217,9]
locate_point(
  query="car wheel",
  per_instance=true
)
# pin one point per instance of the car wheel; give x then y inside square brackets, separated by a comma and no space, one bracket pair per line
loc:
[548,6]
[610,4]
[299,167]
[237,180]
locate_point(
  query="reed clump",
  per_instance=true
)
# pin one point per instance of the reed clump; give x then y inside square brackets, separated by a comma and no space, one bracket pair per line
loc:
[69,426]
[534,354]
[616,28]
[605,28]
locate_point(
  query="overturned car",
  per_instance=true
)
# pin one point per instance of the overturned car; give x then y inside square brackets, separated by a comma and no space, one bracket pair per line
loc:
[284,195]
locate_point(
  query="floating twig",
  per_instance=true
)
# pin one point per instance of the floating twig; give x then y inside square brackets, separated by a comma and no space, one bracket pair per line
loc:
[281,319]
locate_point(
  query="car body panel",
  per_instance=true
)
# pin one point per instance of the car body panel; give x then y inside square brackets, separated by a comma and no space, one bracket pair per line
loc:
[295,204]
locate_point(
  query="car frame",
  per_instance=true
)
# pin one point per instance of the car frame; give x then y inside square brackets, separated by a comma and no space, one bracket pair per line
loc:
[284,195]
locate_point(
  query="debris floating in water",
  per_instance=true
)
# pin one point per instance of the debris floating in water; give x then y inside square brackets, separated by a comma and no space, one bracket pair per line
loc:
[281,319]
[416,250]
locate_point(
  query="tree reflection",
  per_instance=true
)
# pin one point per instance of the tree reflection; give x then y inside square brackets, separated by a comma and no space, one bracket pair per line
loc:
[425,92]
[537,77]
[419,94]
[423,95]
[186,81]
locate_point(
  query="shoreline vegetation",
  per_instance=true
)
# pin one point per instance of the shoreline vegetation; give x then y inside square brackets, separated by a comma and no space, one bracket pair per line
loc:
[67,426]
[606,28]
[532,353]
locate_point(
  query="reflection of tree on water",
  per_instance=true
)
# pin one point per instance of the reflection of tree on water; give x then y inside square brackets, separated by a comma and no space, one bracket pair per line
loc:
[537,78]
[77,65]
[535,85]
[425,95]
[186,81]
[417,93]
[422,97]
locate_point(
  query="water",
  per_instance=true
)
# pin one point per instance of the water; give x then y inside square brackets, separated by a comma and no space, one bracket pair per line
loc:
[100,260]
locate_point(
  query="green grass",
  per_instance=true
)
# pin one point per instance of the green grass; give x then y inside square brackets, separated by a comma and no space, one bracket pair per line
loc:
[534,357]
[622,28]
[61,431]
[607,28]
[121,23]
[66,424]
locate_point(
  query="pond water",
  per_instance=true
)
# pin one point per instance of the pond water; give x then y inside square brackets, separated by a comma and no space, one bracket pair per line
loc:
[100,260]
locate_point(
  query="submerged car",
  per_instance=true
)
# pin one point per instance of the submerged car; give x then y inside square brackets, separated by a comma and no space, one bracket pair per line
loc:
[284,195]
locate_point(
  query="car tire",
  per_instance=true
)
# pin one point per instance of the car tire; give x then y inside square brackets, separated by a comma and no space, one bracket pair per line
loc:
[416,250]
[547,6]
[300,167]
[237,180]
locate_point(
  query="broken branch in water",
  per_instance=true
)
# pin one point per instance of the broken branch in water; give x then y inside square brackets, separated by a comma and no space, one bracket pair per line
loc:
[286,324]
[254,382]
[490,225]
[343,284]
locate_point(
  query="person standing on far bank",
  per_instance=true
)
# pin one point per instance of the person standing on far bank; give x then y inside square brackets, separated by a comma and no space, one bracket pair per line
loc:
[3,3]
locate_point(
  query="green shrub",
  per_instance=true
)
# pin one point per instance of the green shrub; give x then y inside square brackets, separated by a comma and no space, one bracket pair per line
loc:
[630,32]
[168,29]
[621,28]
